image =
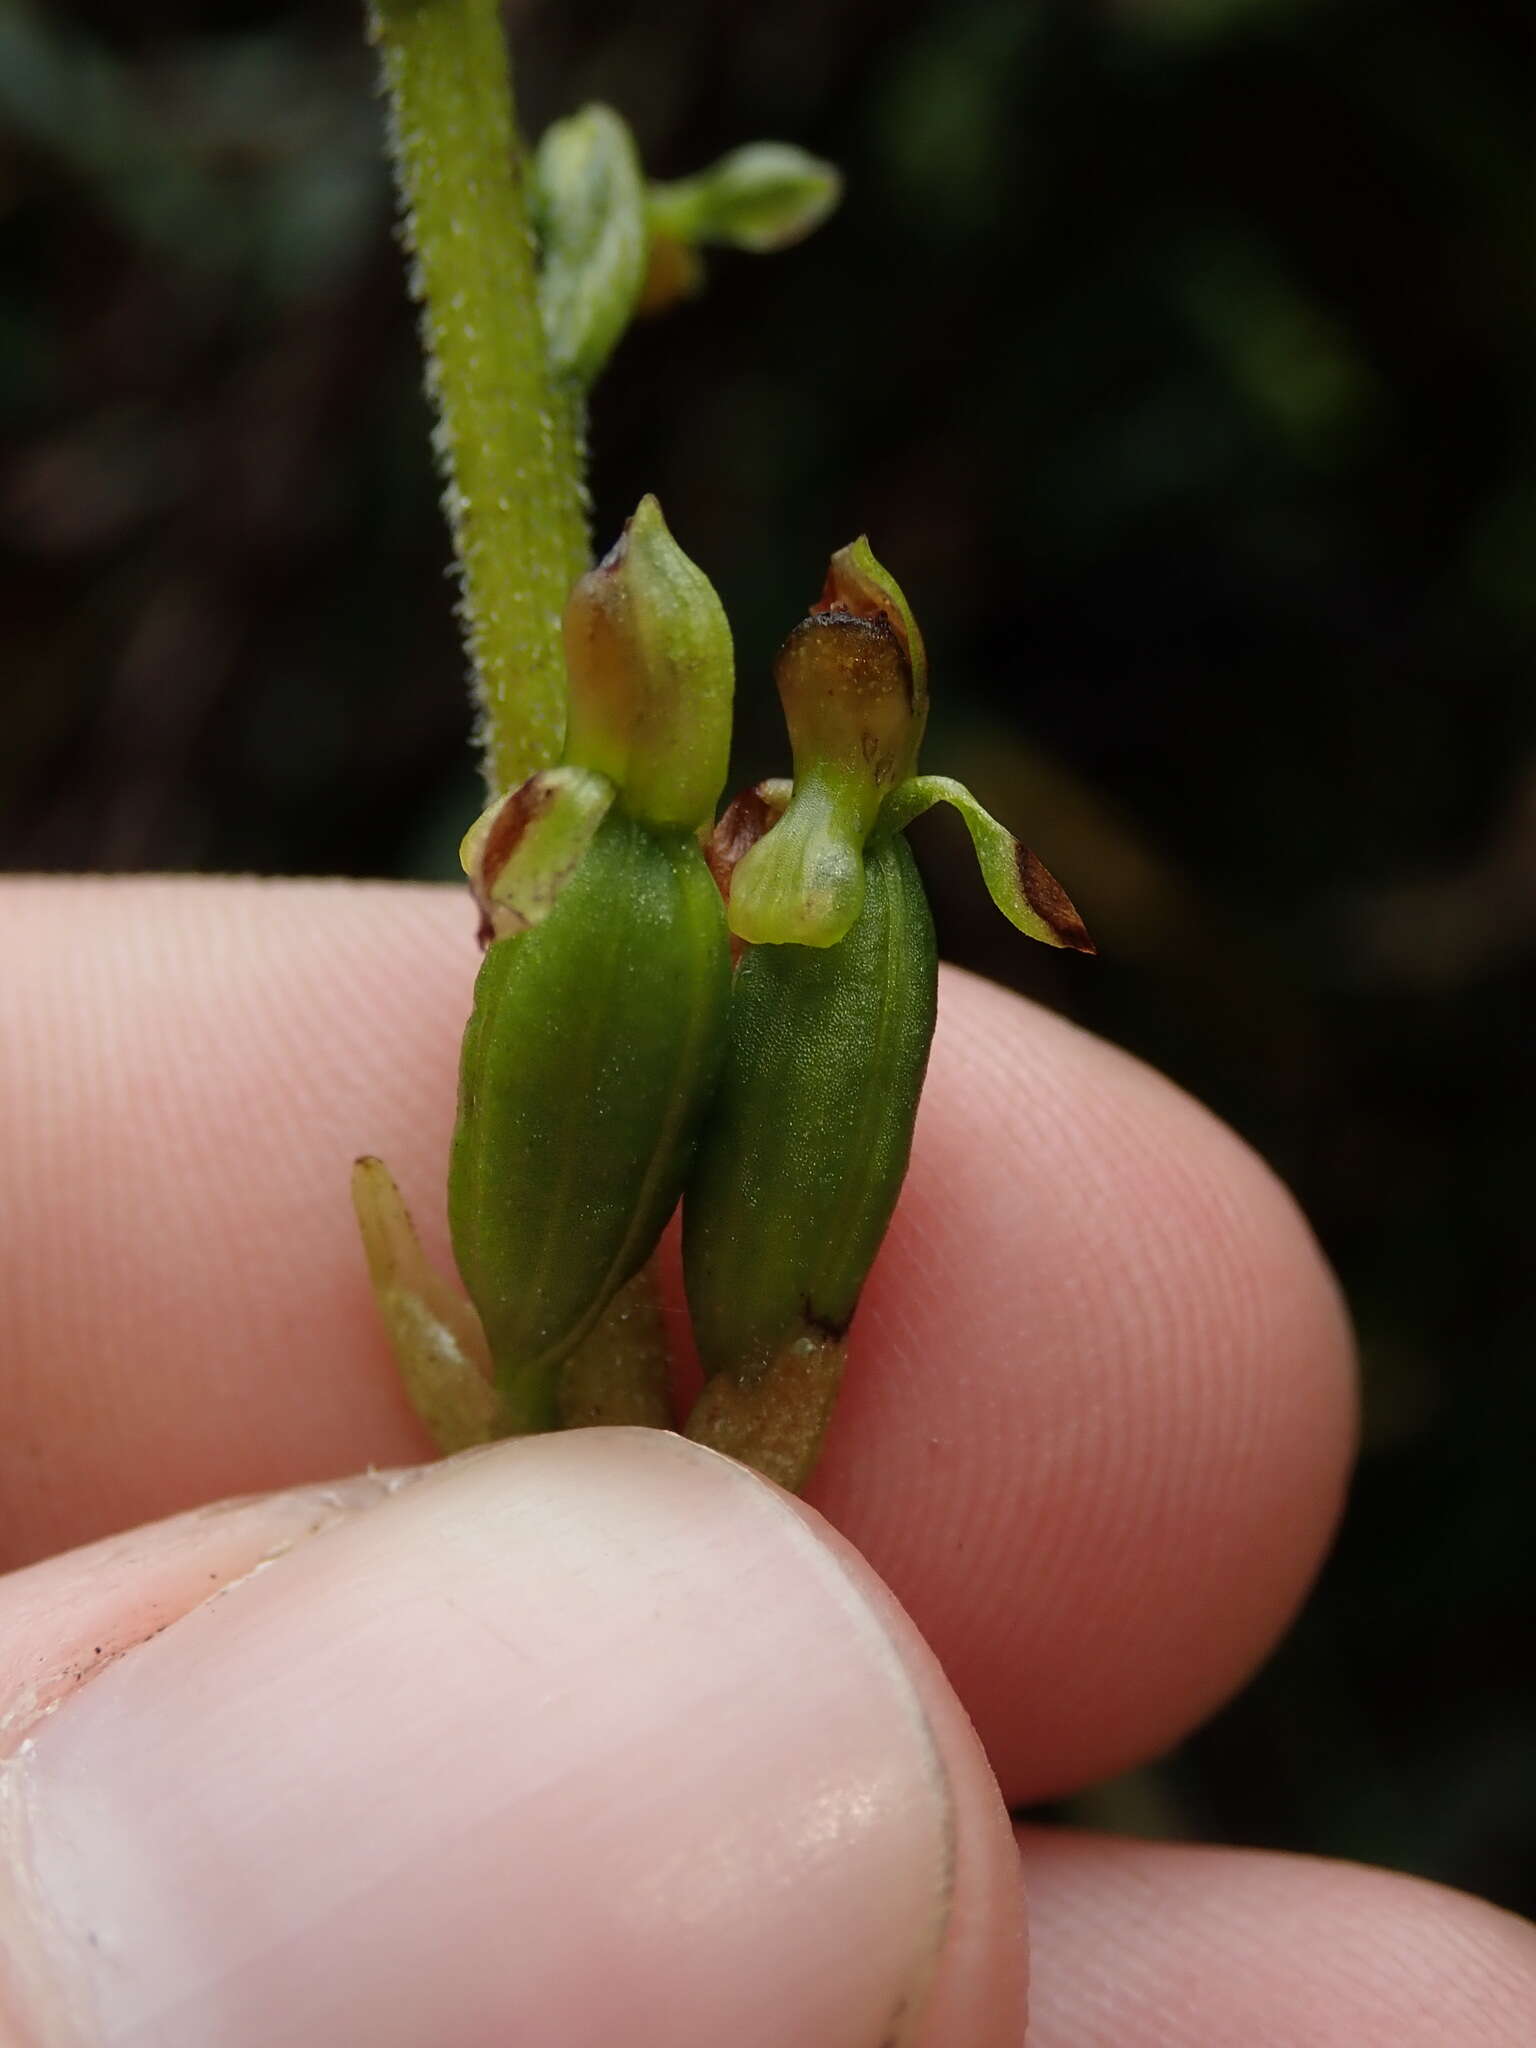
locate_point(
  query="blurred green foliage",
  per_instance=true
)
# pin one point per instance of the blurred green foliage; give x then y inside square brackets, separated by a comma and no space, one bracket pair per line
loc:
[1178,356]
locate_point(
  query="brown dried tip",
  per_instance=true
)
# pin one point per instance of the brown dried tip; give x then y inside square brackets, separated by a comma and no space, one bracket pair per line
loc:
[860,586]
[1050,902]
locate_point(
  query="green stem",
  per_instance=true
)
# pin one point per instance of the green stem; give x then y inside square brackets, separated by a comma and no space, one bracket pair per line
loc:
[509,444]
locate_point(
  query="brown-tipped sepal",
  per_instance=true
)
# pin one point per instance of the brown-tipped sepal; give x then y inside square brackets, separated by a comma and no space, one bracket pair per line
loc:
[864,588]
[1019,883]
[850,702]
[777,1421]
[523,849]
[651,674]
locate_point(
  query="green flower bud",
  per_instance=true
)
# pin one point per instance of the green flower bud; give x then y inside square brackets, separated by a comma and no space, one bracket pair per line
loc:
[589,205]
[761,197]
[649,658]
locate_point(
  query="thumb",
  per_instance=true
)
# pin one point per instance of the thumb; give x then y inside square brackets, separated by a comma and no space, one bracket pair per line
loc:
[584,1738]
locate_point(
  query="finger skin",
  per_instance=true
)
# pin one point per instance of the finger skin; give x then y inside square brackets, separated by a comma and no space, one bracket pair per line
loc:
[1152,1945]
[1099,1406]
[583,1738]
[1111,1385]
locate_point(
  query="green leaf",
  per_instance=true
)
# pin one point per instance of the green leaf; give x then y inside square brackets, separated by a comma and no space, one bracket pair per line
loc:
[1019,883]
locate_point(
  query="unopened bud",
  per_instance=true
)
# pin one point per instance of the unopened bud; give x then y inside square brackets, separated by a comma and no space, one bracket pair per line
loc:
[589,200]
[760,197]
[649,658]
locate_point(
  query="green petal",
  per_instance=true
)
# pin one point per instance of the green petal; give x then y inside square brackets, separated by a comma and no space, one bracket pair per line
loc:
[1019,883]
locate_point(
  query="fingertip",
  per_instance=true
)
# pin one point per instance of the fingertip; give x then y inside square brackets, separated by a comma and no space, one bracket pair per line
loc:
[586,1737]
[1111,1381]
[195,1065]
[1160,1945]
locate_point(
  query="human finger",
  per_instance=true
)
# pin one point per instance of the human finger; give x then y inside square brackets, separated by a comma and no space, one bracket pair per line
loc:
[1099,1404]
[581,1738]
[1157,1945]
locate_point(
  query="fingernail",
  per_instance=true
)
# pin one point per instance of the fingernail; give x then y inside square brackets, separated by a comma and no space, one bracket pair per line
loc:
[588,1738]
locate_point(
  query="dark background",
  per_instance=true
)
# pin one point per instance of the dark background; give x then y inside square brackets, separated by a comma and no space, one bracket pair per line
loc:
[1178,357]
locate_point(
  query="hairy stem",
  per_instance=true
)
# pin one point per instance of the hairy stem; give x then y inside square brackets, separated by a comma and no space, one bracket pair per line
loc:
[509,443]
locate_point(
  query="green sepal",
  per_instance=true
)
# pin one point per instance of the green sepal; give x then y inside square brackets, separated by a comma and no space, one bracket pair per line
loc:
[1019,883]
[860,584]
[590,209]
[761,197]
[524,848]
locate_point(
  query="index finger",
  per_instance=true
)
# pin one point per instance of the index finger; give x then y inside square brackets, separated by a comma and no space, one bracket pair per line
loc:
[1098,1408]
